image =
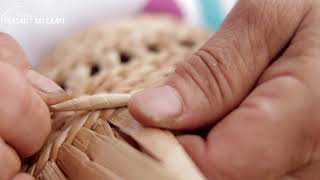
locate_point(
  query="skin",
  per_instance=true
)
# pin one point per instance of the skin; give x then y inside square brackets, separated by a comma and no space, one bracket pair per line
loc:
[256,80]
[24,115]
[255,83]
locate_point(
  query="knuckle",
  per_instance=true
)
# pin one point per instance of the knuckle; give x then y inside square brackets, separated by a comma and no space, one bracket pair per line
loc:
[197,71]
[224,64]
[216,71]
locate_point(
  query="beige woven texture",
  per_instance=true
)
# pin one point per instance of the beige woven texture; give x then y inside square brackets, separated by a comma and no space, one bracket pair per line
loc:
[93,135]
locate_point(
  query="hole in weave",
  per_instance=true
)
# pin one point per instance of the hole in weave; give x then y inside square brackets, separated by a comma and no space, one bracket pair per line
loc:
[95,69]
[124,58]
[187,43]
[153,48]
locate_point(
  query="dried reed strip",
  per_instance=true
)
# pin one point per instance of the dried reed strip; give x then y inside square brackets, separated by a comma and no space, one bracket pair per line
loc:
[51,172]
[76,126]
[83,142]
[43,159]
[59,119]
[77,166]
[103,128]
[56,144]
[92,119]
[160,144]
[120,158]
[106,114]
[99,101]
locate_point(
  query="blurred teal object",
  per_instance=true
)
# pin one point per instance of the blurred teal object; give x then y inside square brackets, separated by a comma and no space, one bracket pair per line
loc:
[212,13]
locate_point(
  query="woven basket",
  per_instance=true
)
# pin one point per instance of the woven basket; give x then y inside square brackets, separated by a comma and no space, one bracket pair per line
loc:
[94,137]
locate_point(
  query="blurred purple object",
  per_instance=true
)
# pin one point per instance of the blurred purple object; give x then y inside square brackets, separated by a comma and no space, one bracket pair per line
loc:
[163,6]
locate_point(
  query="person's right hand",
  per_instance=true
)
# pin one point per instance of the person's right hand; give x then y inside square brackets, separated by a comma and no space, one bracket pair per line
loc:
[255,83]
[24,115]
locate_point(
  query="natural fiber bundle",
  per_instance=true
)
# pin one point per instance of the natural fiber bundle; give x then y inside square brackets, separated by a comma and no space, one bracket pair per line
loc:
[94,136]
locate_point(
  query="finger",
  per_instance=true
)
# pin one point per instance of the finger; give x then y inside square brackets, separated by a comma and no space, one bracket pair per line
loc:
[48,90]
[9,161]
[23,176]
[195,146]
[12,53]
[263,139]
[24,117]
[274,133]
[216,78]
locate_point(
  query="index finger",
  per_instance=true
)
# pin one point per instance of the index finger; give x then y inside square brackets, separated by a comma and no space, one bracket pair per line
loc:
[11,53]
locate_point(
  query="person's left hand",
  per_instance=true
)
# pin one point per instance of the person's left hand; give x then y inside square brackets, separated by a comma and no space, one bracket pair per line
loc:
[24,114]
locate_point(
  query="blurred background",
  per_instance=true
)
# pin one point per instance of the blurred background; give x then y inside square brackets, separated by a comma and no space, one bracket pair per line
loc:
[40,25]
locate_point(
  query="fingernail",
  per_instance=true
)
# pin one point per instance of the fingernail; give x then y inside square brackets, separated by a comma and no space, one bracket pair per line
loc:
[159,104]
[43,83]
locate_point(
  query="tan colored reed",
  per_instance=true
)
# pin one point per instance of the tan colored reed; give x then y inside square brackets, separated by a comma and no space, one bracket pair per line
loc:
[98,101]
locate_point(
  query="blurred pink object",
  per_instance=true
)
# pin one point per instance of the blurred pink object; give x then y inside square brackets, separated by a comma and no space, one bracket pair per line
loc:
[163,6]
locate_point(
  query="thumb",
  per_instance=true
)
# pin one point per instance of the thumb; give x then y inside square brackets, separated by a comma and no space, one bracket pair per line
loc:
[216,78]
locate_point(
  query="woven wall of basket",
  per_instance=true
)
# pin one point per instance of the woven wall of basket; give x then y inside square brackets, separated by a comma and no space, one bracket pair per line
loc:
[93,135]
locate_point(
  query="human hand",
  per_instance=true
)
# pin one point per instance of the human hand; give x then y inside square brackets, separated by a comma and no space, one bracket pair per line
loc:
[24,115]
[256,81]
